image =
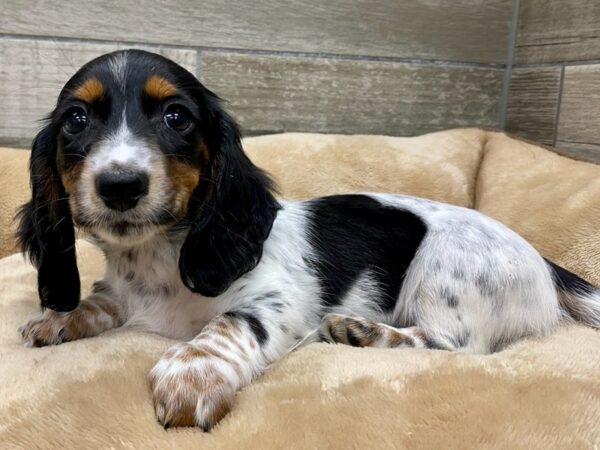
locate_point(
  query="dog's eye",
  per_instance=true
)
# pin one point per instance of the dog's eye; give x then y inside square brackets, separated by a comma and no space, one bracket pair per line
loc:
[76,121]
[177,118]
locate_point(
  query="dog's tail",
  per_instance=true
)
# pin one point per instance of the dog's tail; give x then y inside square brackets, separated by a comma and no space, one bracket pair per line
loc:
[578,298]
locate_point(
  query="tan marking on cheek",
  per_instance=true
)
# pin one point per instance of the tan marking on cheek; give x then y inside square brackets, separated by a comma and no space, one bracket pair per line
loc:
[204,153]
[70,178]
[184,179]
[90,90]
[159,87]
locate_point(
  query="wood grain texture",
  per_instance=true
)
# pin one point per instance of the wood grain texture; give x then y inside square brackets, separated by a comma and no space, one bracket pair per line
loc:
[558,30]
[582,152]
[458,30]
[579,119]
[274,94]
[532,103]
[32,73]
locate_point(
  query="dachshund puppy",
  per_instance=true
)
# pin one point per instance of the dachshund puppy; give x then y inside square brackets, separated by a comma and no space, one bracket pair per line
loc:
[144,159]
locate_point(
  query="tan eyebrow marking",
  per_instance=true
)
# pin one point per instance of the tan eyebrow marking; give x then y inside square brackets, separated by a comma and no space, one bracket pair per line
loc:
[90,90]
[159,87]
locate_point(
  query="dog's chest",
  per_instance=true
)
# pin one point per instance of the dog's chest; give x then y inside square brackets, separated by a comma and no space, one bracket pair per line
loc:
[146,281]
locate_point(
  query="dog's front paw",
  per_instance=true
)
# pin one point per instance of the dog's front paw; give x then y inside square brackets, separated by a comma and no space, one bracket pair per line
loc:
[189,388]
[46,328]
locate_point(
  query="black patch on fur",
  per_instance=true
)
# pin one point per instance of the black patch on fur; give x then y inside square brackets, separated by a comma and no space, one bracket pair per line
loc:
[462,339]
[255,324]
[131,256]
[485,285]
[432,344]
[270,300]
[351,234]
[351,338]
[275,306]
[266,296]
[101,287]
[451,299]
[569,282]
[458,273]
[502,342]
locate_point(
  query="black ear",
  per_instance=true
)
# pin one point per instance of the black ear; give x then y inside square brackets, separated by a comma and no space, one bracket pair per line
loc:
[46,231]
[231,211]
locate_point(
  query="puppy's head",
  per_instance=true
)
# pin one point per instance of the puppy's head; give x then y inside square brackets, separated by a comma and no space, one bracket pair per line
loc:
[136,146]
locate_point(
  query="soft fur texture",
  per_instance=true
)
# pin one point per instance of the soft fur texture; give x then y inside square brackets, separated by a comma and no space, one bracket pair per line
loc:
[402,398]
[144,158]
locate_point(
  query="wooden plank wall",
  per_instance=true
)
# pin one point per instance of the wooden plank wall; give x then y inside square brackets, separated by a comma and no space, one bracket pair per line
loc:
[349,66]
[555,86]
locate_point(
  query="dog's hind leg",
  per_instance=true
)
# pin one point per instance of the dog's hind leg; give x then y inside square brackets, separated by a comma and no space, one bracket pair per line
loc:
[360,332]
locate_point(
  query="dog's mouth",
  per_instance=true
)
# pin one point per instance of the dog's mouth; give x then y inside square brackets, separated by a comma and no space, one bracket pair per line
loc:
[123,226]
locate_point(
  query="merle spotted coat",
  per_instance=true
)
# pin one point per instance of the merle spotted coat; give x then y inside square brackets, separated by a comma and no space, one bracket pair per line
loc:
[143,158]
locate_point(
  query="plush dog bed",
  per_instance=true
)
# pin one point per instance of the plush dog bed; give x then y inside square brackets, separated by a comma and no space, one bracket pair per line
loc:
[538,393]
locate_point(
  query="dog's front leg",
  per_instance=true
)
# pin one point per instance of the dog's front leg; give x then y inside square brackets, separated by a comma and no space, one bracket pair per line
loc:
[194,383]
[97,313]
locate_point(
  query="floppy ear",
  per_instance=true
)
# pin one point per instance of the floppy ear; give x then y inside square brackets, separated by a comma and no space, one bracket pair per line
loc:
[231,212]
[46,231]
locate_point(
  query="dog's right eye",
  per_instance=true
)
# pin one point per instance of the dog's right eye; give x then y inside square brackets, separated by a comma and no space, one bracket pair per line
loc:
[76,121]
[177,118]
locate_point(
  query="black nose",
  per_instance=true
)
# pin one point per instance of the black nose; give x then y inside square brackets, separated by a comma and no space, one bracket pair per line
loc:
[121,190]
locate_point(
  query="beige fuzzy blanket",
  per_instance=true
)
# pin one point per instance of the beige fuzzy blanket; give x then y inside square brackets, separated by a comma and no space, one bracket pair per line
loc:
[539,393]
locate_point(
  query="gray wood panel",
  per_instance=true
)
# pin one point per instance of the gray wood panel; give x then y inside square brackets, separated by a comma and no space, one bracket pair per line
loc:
[458,30]
[532,103]
[558,30]
[32,73]
[275,93]
[583,152]
[579,118]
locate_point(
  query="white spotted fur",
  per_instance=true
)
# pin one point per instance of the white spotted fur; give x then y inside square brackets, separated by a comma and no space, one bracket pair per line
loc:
[526,304]
[148,289]
[462,250]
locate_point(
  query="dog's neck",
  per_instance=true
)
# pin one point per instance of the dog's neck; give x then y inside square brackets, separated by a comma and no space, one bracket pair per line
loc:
[155,258]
